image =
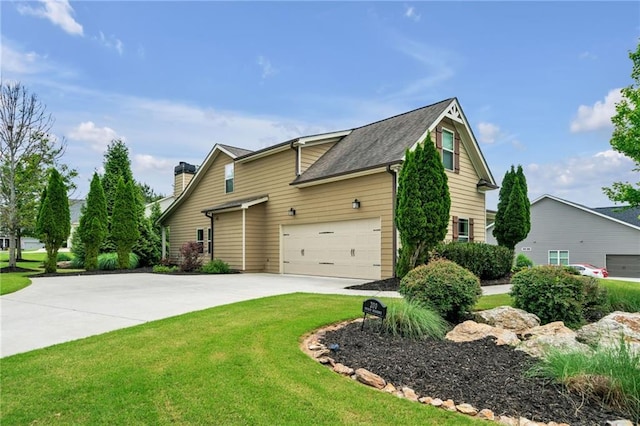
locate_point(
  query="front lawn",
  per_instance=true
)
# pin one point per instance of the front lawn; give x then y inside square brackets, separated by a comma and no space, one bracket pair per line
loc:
[14,281]
[234,364]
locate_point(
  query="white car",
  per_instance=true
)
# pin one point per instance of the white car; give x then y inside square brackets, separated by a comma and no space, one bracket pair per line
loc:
[589,270]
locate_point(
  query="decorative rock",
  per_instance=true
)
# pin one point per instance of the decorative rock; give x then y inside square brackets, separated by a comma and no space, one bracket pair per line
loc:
[509,421]
[467,409]
[370,379]
[526,422]
[315,346]
[469,331]
[619,423]
[326,360]
[609,331]
[321,353]
[486,414]
[436,402]
[449,405]
[508,318]
[389,388]
[425,400]
[539,339]
[409,394]
[343,369]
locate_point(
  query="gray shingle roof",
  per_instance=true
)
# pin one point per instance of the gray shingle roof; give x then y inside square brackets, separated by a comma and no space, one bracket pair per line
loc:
[629,215]
[376,144]
[235,150]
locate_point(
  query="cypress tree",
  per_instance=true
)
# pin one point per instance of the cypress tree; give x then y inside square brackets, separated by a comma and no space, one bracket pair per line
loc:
[525,190]
[54,219]
[93,223]
[116,165]
[503,201]
[422,205]
[124,225]
[515,229]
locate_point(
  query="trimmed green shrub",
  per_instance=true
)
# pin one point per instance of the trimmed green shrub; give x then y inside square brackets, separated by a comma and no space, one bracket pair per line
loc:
[551,293]
[162,269]
[215,266]
[109,261]
[413,321]
[522,262]
[486,261]
[190,255]
[444,286]
[596,300]
[78,250]
[63,257]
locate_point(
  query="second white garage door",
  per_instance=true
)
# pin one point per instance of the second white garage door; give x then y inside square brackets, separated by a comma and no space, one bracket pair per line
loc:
[349,249]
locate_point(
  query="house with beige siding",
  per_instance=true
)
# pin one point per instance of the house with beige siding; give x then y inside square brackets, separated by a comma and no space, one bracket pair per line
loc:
[324,204]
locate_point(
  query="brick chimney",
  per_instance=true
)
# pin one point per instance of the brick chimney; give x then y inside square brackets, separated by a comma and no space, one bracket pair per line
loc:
[183,173]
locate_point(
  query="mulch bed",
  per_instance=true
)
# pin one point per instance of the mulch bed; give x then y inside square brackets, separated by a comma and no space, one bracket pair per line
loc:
[479,373]
[392,284]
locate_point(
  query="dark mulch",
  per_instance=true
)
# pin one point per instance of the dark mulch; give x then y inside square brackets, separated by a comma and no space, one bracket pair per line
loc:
[8,269]
[479,373]
[392,284]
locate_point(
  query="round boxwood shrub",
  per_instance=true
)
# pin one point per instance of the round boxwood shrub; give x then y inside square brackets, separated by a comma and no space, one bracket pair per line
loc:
[550,292]
[446,287]
[215,266]
[486,261]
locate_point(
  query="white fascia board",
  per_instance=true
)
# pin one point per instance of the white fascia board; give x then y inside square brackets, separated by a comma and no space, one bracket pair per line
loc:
[248,204]
[320,139]
[342,177]
[264,153]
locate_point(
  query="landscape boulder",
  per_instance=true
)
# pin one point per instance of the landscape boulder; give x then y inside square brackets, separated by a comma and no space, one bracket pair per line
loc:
[612,329]
[470,331]
[370,379]
[508,318]
[538,340]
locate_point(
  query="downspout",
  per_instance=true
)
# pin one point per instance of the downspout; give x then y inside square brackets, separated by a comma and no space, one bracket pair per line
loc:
[394,235]
[297,150]
[210,216]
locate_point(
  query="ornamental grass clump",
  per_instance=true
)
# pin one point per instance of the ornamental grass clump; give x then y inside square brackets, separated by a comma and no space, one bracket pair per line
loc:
[444,286]
[109,261]
[414,321]
[606,375]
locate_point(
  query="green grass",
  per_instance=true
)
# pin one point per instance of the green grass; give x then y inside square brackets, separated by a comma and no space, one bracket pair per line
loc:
[231,365]
[14,281]
[623,295]
[584,373]
[413,321]
[493,301]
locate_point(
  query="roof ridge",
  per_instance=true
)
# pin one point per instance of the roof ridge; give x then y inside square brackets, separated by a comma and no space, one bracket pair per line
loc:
[406,113]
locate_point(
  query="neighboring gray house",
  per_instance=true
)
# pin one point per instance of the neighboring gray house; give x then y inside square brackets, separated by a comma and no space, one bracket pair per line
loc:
[75,211]
[563,232]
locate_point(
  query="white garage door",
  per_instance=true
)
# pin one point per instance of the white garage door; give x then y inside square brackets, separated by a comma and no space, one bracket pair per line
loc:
[349,249]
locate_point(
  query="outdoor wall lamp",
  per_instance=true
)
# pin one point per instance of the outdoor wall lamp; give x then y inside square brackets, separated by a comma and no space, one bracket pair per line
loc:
[292,211]
[355,204]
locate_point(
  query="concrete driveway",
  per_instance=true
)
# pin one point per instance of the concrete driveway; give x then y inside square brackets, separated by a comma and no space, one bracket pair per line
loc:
[59,309]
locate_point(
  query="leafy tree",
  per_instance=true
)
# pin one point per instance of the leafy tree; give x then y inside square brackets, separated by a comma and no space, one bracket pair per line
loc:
[93,223]
[124,226]
[54,219]
[525,191]
[422,205]
[626,135]
[27,151]
[148,194]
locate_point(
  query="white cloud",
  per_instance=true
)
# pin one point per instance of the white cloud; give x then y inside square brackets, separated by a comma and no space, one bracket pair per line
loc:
[145,162]
[488,132]
[59,12]
[110,42]
[14,61]
[597,116]
[580,179]
[265,65]
[411,13]
[588,55]
[97,137]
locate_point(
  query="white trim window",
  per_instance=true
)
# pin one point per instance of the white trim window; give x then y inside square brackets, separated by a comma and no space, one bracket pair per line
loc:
[463,230]
[448,149]
[228,178]
[200,239]
[558,257]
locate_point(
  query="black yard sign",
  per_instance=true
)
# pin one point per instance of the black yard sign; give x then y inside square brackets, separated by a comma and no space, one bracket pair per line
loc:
[373,307]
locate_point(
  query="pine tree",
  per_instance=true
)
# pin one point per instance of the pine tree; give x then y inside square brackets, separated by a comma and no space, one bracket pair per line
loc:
[124,225]
[93,223]
[525,190]
[54,219]
[422,205]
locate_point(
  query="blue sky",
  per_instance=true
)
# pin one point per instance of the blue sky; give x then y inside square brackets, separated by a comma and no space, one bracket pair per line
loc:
[537,80]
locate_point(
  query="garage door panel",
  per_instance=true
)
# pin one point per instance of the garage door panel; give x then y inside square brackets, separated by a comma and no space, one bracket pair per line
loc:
[339,249]
[623,265]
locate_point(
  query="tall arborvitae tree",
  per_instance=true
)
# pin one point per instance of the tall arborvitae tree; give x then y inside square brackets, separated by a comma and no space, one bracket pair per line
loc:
[525,191]
[503,202]
[422,205]
[124,223]
[116,165]
[93,223]
[54,219]
[516,213]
